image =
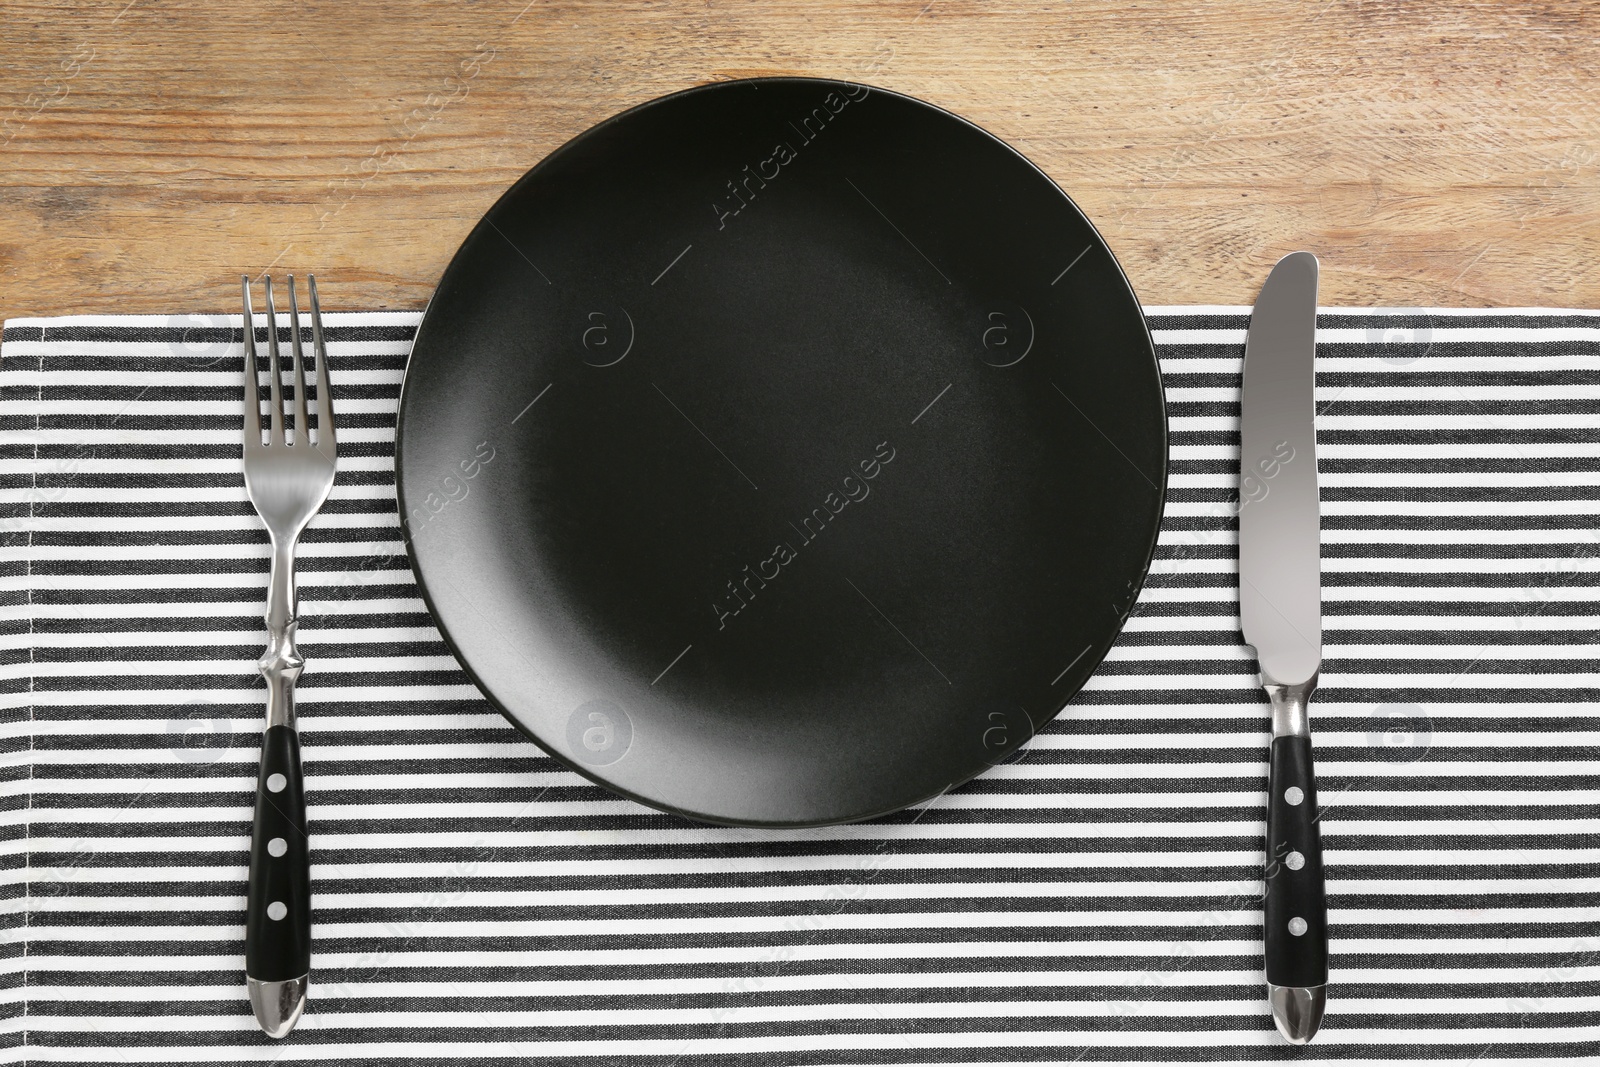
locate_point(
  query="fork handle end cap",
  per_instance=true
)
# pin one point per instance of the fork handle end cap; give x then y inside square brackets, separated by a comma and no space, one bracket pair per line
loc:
[278,1004]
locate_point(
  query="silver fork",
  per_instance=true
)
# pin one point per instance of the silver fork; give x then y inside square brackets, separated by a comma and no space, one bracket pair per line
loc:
[287,480]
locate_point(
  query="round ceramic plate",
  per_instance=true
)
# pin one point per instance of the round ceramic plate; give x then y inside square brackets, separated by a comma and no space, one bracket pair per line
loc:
[782,452]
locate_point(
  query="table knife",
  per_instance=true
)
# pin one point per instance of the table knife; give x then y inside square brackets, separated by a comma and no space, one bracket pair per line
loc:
[1280,615]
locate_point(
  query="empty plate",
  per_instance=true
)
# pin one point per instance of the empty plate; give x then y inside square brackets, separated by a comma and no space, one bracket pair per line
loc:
[782,452]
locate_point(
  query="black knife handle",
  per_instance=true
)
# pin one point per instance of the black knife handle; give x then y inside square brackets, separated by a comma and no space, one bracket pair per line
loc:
[1295,904]
[277,931]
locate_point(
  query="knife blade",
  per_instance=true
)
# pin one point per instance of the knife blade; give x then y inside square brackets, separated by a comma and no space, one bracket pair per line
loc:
[1280,615]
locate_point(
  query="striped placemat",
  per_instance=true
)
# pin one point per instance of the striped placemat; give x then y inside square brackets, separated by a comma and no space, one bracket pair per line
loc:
[1095,901]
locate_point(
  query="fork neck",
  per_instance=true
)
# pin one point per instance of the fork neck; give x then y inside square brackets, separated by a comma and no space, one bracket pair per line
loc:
[281,663]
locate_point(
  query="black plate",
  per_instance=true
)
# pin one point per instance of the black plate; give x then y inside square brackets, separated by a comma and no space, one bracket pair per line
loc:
[782,452]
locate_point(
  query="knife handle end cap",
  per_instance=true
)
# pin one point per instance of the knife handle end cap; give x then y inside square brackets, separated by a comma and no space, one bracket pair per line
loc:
[1297,1012]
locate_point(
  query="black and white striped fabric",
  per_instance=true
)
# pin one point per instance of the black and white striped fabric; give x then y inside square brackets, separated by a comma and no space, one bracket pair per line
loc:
[1095,901]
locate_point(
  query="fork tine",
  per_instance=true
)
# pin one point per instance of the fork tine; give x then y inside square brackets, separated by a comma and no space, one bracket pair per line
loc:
[275,387]
[302,422]
[327,442]
[252,381]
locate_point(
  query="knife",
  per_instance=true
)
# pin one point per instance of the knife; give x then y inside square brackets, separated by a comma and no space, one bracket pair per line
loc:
[1280,615]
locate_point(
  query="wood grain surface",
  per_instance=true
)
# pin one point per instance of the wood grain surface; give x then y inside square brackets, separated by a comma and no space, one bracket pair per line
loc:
[1429,152]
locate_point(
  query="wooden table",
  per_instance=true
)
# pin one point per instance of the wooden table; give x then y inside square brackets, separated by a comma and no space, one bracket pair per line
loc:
[1429,152]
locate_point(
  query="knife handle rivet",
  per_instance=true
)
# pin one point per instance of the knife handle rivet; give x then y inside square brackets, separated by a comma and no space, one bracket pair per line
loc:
[1294,860]
[1297,925]
[276,782]
[1292,796]
[278,846]
[277,910]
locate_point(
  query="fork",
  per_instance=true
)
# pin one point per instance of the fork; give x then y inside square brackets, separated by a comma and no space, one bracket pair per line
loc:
[287,480]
